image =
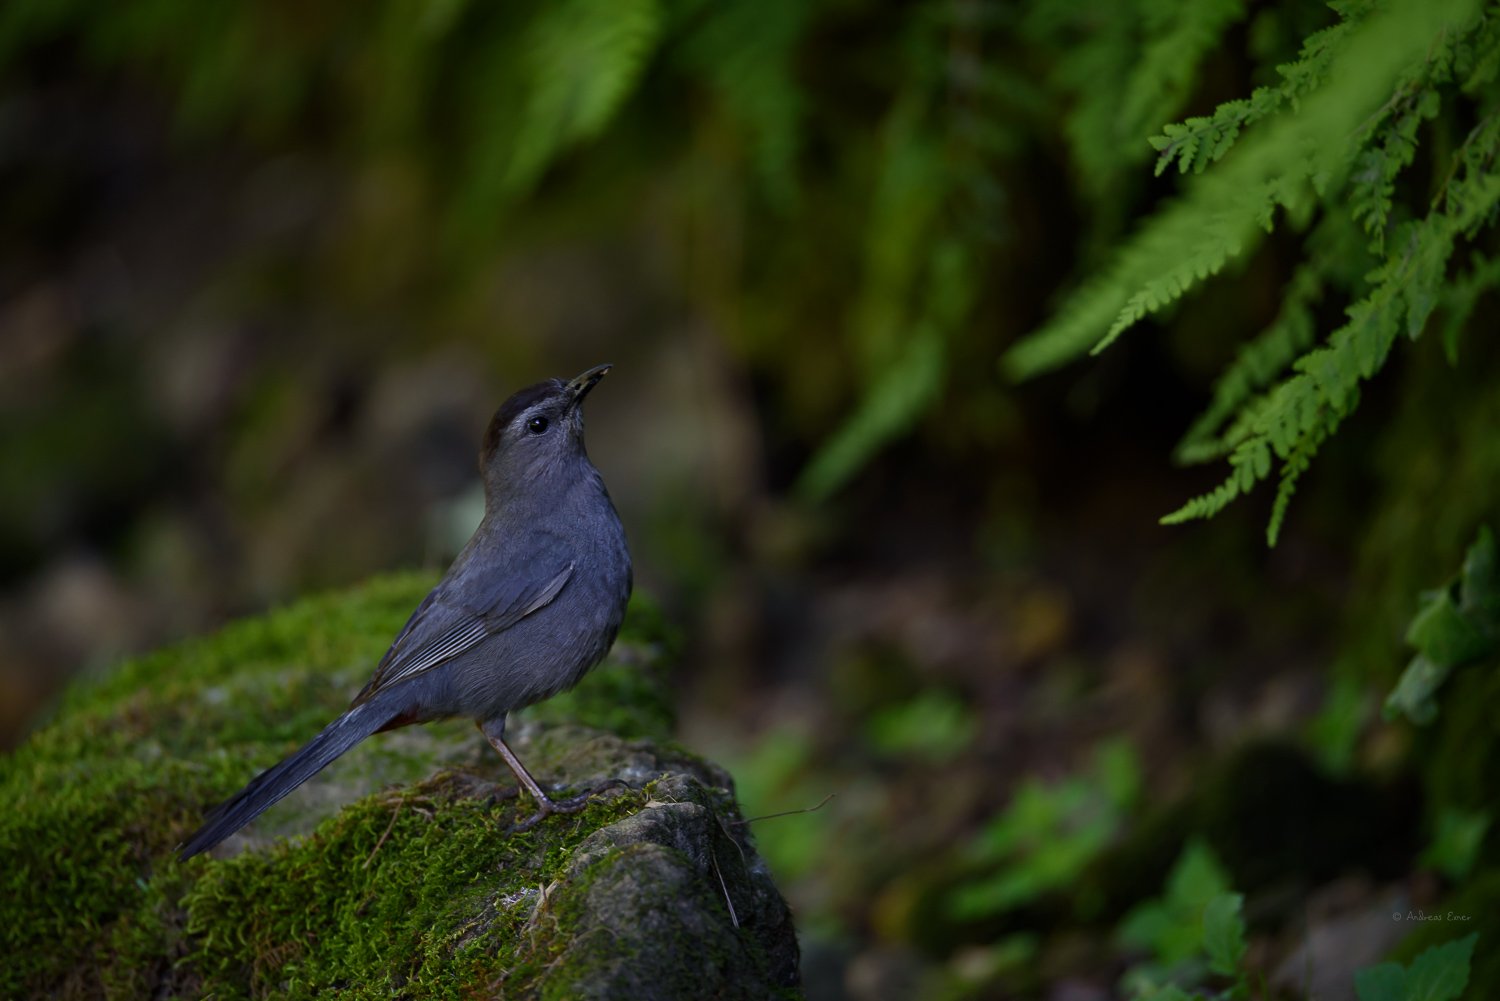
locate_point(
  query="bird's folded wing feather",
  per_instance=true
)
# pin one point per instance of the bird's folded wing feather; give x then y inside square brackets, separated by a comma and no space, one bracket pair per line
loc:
[467,607]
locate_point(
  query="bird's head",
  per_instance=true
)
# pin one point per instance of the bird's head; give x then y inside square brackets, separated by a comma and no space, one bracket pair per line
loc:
[537,433]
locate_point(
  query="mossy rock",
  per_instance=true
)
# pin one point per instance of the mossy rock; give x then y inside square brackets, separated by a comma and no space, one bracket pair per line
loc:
[398,871]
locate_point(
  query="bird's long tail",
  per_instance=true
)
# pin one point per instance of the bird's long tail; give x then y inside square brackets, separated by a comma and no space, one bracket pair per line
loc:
[275,782]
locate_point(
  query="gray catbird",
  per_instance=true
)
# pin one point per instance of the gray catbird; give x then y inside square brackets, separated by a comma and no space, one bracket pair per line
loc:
[532,602]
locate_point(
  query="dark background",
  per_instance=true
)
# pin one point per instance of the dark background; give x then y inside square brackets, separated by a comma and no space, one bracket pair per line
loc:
[266,269]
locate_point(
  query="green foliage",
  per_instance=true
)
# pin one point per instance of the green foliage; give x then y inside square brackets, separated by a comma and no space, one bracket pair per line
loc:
[1224,934]
[1180,36]
[1457,625]
[1202,140]
[1170,927]
[1155,49]
[934,726]
[481,113]
[902,391]
[1334,733]
[921,273]
[489,98]
[1439,974]
[1257,365]
[1048,835]
[747,50]
[1372,81]
[772,778]
[584,57]
[1457,841]
[478,107]
[1193,930]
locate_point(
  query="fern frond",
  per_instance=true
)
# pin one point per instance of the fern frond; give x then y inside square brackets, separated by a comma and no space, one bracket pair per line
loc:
[905,209]
[584,58]
[1093,42]
[1322,48]
[1462,296]
[1373,182]
[1180,36]
[746,49]
[1296,416]
[904,389]
[1156,49]
[1297,463]
[1256,366]
[1249,464]
[1161,262]
[1279,166]
[1202,140]
[1476,60]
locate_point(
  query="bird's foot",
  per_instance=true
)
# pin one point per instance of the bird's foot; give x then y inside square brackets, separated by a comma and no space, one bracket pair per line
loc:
[546,805]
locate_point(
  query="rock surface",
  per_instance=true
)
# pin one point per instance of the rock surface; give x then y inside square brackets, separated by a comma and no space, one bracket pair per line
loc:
[397,872]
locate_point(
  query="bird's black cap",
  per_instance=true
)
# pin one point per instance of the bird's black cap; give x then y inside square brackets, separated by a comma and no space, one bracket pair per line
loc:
[524,399]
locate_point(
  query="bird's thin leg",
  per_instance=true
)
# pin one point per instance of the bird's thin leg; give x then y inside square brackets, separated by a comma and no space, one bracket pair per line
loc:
[522,775]
[546,805]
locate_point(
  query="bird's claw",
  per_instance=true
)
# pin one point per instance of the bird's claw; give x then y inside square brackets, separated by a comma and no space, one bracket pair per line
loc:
[548,806]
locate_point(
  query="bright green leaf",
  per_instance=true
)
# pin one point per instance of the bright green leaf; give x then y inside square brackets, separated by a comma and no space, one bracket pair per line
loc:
[1386,982]
[1439,974]
[1456,843]
[1172,927]
[1198,876]
[1224,933]
[1442,972]
[1413,693]
[1442,632]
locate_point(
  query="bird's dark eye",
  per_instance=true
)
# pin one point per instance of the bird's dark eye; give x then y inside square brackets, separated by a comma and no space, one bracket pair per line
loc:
[537,425]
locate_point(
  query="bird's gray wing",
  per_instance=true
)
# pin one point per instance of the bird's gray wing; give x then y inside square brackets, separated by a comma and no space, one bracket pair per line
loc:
[472,603]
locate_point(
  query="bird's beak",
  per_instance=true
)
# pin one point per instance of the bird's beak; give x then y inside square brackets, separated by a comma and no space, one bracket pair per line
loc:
[581,384]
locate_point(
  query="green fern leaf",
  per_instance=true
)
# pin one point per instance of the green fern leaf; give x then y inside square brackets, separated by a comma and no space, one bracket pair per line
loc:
[1201,141]
[1279,167]
[1204,139]
[584,58]
[746,49]
[1296,464]
[1181,36]
[1256,366]
[905,388]
[1373,182]
[1461,298]
[1297,415]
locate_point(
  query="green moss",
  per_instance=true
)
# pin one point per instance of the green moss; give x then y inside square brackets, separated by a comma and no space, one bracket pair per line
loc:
[419,890]
[422,889]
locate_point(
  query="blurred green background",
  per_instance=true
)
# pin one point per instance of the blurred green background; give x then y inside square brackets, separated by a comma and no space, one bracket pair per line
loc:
[267,267]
